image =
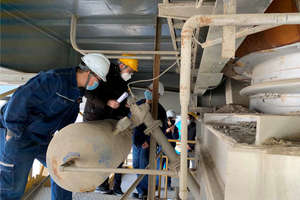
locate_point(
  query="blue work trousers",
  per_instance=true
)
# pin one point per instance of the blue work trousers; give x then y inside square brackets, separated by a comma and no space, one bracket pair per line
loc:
[140,160]
[16,159]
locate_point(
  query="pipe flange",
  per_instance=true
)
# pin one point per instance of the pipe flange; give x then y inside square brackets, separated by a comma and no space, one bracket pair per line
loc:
[154,125]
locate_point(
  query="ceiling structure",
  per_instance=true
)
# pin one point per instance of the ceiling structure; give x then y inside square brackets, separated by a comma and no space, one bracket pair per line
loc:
[35,35]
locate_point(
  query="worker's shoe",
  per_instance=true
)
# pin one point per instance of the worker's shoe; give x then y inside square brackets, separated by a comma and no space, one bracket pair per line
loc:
[170,188]
[118,192]
[103,189]
[137,195]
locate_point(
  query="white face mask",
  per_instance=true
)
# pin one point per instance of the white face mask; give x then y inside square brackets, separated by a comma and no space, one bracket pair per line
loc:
[188,122]
[126,76]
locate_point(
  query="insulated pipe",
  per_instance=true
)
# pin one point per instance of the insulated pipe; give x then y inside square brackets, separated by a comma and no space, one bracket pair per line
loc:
[168,149]
[186,40]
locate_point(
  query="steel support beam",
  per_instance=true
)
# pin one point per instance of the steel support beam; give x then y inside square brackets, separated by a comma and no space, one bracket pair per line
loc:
[183,10]
[228,47]
[172,33]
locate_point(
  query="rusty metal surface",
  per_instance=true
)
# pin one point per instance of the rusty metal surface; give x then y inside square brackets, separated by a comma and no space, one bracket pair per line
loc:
[274,37]
[97,146]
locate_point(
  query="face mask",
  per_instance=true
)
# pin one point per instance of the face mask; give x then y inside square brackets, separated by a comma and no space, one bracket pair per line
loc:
[188,122]
[172,122]
[126,76]
[148,95]
[92,87]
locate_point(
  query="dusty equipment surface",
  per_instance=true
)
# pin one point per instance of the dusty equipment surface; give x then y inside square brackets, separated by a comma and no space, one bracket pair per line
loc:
[87,144]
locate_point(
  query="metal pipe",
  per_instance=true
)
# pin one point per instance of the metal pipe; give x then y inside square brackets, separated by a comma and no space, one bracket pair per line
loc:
[242,33]
[170,152]
[83,52]
[186,41]
[141,57]
[118,170]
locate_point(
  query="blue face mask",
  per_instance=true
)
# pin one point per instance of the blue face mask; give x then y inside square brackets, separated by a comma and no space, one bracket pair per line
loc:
[92,87]
[148,95]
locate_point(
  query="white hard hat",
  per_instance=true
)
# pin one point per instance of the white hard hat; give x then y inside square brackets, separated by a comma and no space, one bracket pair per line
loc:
[97,63]
[171,113]
[161,89]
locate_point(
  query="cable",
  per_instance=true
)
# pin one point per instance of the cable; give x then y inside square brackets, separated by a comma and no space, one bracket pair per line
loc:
[146,80]
[197,41]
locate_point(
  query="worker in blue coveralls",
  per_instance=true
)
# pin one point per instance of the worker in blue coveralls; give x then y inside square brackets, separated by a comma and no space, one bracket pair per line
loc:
[173,134]
[46,103]
[141,142]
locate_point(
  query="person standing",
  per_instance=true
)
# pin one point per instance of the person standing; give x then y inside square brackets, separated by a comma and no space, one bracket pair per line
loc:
[102,104]
[45,104]
[141,142]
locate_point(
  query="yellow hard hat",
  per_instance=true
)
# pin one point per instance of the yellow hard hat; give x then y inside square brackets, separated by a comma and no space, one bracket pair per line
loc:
[132,63]
[193,114]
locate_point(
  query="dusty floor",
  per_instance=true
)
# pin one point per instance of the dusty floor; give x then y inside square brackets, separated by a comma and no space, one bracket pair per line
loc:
[127,180]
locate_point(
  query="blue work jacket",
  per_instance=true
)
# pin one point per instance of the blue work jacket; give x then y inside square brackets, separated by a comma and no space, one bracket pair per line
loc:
[46,103]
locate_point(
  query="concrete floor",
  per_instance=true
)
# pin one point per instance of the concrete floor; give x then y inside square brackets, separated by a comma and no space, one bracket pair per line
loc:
[127,180]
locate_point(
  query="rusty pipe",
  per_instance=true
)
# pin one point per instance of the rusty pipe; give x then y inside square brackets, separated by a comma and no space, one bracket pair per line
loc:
[186,40]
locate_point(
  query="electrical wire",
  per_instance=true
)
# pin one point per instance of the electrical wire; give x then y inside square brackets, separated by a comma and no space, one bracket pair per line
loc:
[197,41]
[147,80]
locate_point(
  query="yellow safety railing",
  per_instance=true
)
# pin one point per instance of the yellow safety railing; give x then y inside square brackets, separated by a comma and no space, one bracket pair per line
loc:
[162,157]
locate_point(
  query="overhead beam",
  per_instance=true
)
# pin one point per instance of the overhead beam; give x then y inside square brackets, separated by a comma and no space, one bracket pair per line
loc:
[172,33]
[183,10]
[228,47]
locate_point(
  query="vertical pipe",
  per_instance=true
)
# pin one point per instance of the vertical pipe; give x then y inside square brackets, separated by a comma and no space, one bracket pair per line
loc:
[185,79]
[155,97]
[186,35]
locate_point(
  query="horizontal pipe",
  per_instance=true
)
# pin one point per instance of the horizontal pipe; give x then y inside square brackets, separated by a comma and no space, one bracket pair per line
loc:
[242,33]
[74,45]
[137,181]
[118,170]
[142,57]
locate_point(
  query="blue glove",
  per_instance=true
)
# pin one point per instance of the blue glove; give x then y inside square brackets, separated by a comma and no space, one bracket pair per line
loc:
[148,95]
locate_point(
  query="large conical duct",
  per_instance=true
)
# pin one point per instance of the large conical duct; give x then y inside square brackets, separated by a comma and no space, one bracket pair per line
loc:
[96,146]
